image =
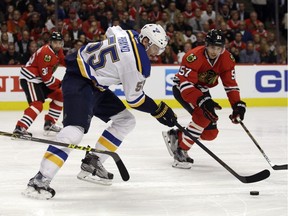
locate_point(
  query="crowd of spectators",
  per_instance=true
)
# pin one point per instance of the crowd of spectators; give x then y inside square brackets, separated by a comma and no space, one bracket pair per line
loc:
[27,24]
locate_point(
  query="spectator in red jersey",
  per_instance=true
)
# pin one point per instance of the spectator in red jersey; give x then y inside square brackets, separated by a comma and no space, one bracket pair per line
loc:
[133,11]
[261,31]
[16,25]
[29,11]
[94,32]
[234,22]
[252,22]
[238,43]
[87,24]
[188,12]
[200,4]
[155,14]
[73,17]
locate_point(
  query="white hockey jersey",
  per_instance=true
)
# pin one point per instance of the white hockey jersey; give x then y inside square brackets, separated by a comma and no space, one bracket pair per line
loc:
[120,59]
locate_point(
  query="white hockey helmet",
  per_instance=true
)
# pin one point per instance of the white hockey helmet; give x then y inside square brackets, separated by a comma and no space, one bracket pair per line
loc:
[156,35]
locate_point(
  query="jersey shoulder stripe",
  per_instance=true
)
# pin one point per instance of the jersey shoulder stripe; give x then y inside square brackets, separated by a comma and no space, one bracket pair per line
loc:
[83,66]
[142,61]
[135,51]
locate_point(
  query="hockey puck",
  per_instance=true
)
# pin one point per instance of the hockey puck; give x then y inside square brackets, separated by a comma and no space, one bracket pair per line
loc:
[254,193]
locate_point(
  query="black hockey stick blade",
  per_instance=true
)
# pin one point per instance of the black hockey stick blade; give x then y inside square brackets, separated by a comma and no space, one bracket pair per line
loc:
[256,177]
[120,165]
[244,179]
[280,167]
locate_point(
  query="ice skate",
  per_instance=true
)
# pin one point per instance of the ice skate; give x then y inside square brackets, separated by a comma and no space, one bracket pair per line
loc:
[38,188]
[50,127]
[93,171]
[181,157]
[21,131]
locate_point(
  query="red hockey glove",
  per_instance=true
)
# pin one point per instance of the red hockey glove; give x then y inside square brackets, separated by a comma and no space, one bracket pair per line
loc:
[239,110]
[208,106]
[165,115]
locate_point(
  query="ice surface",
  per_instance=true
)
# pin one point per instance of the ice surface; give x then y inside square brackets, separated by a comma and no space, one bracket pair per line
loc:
[155,188]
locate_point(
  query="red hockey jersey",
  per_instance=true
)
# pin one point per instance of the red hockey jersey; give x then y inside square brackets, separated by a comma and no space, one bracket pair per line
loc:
[41,66]
[197,74]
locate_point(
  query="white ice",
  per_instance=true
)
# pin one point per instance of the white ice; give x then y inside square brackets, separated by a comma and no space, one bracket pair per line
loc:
[155,188]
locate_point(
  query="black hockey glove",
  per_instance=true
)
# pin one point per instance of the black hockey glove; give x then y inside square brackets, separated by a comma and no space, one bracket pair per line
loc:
[165,115]
[208,106]
[239,110]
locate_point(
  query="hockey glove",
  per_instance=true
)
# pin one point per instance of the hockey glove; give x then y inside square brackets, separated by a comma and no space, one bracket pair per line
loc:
[239,110]
[165,115]
[208,106]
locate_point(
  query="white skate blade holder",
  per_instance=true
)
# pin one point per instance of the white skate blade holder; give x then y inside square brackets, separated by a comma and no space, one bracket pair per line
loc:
[181,165]
[86,176]
[167,142]
[30,192]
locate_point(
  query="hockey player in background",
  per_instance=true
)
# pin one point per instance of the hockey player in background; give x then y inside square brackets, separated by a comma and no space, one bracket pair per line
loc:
[200,69]
[122,58]
[38,83]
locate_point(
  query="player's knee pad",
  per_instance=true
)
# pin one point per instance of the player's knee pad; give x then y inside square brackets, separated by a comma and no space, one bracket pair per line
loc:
[38,105]
[124,122]
[70,135]
[209,134]
[56,95]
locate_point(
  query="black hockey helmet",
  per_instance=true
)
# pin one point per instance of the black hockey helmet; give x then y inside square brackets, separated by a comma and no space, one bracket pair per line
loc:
[215,37]
[56,36]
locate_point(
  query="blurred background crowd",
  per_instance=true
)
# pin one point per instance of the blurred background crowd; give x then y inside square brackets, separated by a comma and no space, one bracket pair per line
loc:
[255,30]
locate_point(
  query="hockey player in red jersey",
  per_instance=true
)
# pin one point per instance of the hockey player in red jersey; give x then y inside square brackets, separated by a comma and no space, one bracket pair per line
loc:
[200,69]
[38,83]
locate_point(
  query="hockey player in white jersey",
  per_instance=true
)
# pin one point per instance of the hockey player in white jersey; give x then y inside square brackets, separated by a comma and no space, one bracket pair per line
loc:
[123,58]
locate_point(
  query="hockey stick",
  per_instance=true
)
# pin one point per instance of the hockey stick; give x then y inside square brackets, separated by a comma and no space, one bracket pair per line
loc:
[275,167]
[120,165]
[245,179]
